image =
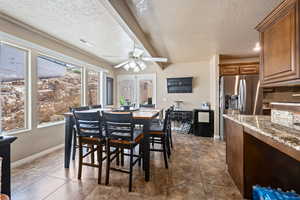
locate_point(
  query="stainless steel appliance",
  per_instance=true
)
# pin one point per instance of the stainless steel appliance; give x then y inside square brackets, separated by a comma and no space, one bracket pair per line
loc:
[239,94]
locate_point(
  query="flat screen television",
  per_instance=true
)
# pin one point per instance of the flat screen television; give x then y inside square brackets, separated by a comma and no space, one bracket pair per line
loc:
[180,85]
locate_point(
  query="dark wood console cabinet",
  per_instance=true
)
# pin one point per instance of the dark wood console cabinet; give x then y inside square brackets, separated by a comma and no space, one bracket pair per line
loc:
[5,143]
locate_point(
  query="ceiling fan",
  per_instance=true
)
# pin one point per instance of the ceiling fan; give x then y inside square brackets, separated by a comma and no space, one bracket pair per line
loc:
[137,61]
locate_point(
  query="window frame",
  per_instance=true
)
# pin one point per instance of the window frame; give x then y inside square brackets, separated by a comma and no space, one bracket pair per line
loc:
[82,88]
[27,85]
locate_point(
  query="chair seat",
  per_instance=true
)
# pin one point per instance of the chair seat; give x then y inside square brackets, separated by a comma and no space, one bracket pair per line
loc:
[4,197]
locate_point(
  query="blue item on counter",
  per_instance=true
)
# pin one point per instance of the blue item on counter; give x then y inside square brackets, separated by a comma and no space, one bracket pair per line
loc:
[262,193]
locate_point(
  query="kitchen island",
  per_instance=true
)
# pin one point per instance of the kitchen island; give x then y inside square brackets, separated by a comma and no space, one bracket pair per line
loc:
[263,153]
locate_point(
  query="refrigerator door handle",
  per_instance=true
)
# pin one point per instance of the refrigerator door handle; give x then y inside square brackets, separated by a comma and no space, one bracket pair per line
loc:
[240,96]
[244,95]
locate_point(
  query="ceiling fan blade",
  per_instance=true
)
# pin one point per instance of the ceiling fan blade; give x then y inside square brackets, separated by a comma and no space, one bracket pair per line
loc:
[121,64]
[138,52]
[155,59]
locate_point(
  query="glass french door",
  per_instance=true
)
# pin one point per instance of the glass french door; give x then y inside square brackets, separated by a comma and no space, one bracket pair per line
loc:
[137,89]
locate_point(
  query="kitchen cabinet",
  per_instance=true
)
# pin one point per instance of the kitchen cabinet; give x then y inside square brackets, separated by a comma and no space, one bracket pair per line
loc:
[239,69]
[228,70]
[249,69]
[234,152]
[279,39]
[256,158]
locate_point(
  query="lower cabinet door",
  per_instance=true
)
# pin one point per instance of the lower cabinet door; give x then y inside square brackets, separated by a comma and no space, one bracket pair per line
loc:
[235,152]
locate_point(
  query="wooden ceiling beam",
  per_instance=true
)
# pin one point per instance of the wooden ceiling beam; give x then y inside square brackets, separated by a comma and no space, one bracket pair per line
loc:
[122,13]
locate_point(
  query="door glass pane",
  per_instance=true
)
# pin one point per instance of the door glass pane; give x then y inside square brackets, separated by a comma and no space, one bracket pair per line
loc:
[13,64]
[146,91]
[126,92]
[93,88]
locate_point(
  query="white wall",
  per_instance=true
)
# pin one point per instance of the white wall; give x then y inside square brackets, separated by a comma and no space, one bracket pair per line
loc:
[200,71]
[36,139]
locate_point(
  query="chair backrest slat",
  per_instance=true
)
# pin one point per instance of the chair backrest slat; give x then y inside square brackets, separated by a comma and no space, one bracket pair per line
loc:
[119,125]
[88,123]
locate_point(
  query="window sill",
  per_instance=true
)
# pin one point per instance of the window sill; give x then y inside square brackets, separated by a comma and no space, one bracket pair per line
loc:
[45,125]
[16,132]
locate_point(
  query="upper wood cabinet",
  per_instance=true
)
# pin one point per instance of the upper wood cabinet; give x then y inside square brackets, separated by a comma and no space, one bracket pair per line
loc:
[279,39]
[249,69]
[229,70]
[239,69]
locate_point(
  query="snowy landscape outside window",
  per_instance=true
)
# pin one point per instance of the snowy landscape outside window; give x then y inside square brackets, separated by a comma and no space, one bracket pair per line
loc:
[59,88]
[93,87]
[13,67]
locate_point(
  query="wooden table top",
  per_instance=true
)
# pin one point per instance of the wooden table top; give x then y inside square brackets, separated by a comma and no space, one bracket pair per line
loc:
[142,113]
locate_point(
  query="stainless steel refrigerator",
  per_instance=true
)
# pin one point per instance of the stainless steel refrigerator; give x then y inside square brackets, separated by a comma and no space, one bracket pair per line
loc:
[239,94]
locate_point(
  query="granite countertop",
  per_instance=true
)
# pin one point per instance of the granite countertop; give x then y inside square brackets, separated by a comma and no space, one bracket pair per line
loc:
[263,125]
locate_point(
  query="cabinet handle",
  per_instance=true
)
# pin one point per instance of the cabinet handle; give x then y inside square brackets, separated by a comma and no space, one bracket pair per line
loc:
[296,95]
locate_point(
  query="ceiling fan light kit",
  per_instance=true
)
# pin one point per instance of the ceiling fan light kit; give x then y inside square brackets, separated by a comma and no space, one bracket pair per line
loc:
[136,61]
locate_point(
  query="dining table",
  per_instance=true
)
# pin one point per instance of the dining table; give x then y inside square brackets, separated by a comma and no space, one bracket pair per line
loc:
[142,116]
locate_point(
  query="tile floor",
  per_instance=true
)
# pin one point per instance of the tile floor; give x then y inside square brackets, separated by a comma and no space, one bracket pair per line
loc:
[197,170]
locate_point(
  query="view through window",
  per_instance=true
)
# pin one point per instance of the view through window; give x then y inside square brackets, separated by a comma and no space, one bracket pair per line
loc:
[59,88]
[93,87]
[13,65]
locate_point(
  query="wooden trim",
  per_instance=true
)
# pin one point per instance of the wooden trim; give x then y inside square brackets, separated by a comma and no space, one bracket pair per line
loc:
[243,63]
[276,13]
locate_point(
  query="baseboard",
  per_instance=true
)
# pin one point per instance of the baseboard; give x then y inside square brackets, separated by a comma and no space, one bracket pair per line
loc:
[35,156]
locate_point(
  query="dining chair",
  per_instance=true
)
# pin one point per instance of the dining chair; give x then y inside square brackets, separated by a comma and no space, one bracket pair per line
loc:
[89,132]
[122,133]
[74,145]
[159,135]
[96,106]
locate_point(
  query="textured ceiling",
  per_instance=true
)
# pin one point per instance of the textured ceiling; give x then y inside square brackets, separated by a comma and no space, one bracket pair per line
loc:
[192,30]
[72,20]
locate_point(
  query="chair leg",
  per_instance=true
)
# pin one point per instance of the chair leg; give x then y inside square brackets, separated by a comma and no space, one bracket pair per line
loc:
[99,156]
[152,138]
[168,146]
[140,153]
[74,145]
[118,157]
[130,169]
[80,159]
[122,157]
[92,154]
[170,136]
[165,151]
[107,162]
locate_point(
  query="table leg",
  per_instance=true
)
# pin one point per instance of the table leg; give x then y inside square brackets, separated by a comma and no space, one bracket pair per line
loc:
[147,158]
[68,139]
[146,149]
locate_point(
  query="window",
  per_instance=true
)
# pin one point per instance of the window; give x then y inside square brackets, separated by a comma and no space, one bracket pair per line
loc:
[93,87]
[59,88]
[109,91]
[13,70]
